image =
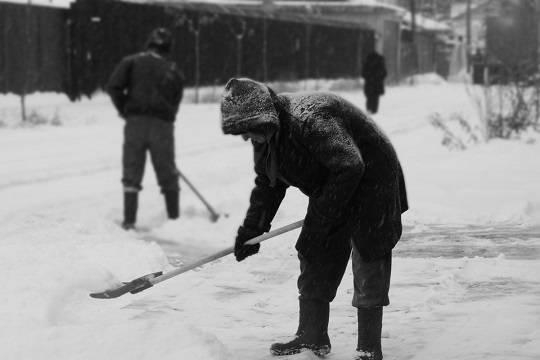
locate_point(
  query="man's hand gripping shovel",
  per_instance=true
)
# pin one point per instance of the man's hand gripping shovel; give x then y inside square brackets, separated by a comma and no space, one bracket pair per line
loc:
[149,280]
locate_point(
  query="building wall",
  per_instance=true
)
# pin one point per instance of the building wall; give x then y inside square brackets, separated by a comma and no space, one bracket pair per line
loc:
[510,40]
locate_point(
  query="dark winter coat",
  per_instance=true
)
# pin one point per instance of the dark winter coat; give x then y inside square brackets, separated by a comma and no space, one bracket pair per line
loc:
[333,153]
[374,73]
[146,84]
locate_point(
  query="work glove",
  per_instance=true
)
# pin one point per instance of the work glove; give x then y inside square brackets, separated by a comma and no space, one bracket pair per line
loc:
[244,234]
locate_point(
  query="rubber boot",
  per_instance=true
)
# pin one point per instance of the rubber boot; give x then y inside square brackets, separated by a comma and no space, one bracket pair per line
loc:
[312,333]
[131,202]
[171,203]
[369,334]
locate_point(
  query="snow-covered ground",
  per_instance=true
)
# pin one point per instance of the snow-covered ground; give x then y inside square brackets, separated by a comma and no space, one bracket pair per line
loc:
[465,280]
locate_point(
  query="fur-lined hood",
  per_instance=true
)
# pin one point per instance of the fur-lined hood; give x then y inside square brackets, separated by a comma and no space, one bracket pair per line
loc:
[247,106]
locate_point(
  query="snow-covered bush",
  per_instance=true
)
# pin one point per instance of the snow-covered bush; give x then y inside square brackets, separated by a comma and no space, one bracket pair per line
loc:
[509,109]
[458,134]
[36,118]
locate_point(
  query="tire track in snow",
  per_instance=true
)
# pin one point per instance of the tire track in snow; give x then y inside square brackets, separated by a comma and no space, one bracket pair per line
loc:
[73,173]
[439,240]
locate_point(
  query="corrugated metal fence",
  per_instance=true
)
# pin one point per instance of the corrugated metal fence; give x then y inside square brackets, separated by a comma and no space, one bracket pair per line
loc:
[32,48]
[211,46]
[74,50]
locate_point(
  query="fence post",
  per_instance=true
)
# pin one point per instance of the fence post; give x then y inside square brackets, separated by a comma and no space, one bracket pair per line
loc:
[195,30]
[239,37]
[537,82]
[414,47]
[27,47]
[265,49]
[307,58]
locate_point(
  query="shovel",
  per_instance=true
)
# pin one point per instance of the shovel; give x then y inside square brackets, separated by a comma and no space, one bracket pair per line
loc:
[149,280]
[214,216]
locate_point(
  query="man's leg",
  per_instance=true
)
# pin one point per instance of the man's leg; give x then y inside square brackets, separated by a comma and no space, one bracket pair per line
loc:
[371,287]
[371,104]
[317,285]
[133,163]
[375,105]
[162,151]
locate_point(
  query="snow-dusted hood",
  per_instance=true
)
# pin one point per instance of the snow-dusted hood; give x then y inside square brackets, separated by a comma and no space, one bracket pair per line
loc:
[247,106]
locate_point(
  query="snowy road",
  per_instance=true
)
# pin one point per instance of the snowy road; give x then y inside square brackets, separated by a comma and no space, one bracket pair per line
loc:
[492,240]
[465,283]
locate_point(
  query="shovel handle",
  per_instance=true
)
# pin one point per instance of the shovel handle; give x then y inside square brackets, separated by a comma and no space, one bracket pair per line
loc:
[213,213]
[278,231]
[225,252]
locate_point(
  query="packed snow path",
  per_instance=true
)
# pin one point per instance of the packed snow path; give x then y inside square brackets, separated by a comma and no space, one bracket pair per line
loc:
[465,283]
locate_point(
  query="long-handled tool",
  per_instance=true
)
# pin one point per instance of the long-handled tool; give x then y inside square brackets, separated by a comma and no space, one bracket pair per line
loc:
[213,213]
[147,281]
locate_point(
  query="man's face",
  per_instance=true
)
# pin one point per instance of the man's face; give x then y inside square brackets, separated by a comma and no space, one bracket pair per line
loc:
[255,137]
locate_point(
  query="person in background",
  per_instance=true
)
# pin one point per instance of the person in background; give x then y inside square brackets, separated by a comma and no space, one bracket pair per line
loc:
[374,73]
[146,88]
[338,157]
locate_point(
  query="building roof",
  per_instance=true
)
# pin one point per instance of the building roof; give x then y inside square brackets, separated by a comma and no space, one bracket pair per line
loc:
[51,3]
[333,13]
[425,23]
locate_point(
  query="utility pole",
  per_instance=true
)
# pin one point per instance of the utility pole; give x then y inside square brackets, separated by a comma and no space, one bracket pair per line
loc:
[195,28]
[307,53]
[25,59]
[538,60]
[468,28]
[268,6]
[414,48]
[412,5]
[239,46]
[265,50]
[538,34]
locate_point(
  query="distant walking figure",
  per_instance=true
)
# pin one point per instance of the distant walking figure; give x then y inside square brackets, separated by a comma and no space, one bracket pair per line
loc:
[374,73]
[146,89]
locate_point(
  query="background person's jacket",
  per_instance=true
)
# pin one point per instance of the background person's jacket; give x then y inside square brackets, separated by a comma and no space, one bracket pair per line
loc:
[374,72]
[146,84]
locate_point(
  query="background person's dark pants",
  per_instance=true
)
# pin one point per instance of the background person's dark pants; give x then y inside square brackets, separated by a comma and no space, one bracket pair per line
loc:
[372,103]
[320,281]
[142,134]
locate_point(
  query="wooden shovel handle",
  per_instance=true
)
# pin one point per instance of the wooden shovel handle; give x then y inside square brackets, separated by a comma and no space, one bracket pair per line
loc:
[226,251]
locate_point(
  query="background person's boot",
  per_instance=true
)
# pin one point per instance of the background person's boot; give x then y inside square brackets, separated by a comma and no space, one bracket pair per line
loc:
[131,202]
[312,333]
[369,334]
[172,204]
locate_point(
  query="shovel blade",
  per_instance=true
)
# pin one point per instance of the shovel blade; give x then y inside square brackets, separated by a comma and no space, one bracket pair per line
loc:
[133,287]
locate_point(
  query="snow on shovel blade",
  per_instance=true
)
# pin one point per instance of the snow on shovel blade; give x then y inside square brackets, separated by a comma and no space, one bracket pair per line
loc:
[134,286]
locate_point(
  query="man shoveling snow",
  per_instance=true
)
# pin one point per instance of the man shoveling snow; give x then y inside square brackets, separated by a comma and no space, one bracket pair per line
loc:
[337,156]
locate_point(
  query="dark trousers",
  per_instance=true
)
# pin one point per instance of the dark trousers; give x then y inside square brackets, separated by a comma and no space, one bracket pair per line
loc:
[372,103]
[320,280]
[144,134]
[371,281]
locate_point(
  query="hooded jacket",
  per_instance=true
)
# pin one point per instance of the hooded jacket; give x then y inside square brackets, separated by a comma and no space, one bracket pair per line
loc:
[333,153]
